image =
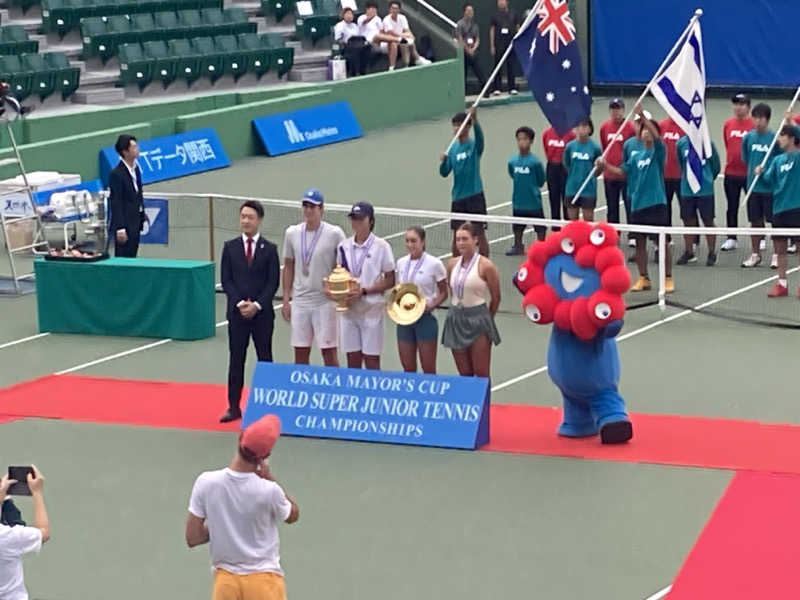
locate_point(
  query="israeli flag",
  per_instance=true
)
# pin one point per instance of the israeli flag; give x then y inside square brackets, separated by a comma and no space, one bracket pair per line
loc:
[680,89]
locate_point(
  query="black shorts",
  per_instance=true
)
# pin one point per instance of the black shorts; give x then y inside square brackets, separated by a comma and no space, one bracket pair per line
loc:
[475,205]
[691,205]
[787,218]
[759,207]
[587,202]
[656,215]
[531,214]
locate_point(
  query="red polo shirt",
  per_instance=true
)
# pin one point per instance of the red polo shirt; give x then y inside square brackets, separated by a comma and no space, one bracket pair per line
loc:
[554,145]
[614,156]
[732,133]
[671,133]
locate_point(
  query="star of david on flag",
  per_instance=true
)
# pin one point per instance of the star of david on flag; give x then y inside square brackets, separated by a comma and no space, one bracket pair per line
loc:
[548,53]
[680,89]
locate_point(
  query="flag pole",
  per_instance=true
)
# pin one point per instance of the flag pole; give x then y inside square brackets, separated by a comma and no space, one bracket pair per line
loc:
[697,14]
[496,70]
[769,151]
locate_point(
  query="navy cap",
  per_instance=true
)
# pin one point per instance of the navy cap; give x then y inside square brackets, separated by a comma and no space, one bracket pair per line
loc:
[616,103]
[361,209]
[314,196]
[741,98]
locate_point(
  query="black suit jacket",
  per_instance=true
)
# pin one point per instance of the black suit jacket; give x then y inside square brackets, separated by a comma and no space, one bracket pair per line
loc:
[125,203]
[257,281]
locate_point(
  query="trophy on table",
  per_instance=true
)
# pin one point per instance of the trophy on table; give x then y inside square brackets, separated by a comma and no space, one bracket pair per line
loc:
[339,284]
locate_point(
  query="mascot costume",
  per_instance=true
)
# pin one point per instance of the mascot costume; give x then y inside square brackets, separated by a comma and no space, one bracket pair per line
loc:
[575,279]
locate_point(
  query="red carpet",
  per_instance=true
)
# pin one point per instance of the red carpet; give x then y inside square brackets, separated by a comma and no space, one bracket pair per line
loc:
[662,439]
[749,548]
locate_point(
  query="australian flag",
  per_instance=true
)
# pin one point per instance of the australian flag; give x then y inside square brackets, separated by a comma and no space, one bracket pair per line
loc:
[548,52]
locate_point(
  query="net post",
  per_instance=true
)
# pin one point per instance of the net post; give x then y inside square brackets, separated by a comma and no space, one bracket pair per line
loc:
[662,270]
[211,228]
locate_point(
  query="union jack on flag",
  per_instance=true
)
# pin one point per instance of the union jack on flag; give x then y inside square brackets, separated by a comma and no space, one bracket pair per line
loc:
[554,20]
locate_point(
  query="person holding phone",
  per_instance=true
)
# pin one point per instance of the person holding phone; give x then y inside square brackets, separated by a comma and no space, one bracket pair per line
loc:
[19,540]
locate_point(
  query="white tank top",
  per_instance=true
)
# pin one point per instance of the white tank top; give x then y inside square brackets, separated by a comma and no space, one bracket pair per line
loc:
[475,289]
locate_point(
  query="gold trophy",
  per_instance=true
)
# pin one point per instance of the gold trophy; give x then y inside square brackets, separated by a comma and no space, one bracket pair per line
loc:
[339,284]
[405,304]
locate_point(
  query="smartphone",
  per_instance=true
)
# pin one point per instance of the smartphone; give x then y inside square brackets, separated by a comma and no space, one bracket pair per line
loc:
[21,475]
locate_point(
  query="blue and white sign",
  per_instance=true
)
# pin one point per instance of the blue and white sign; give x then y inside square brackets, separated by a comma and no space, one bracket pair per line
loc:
[372,406]
[307,127]
[156,228]
[172,156]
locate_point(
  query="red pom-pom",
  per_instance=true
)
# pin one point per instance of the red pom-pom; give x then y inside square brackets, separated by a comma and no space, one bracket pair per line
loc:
[552,244]
[578,232]
[582,325]
[608,257]
[539,304]
[539,252]
[616,279]
[561,316]
[603,235]
[586,256]
[604,307]
[528,275]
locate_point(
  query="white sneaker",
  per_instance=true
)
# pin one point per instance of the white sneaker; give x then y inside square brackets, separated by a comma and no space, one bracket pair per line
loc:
[762,245]
[752,261]
[391,68]
[496,93]
[513,92]
[773,264]
[792,249]
[729,245]
[631,243]
[421,60]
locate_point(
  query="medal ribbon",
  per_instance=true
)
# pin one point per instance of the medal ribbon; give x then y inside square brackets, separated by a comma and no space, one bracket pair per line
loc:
[461,274]
[416,268]
[359,264]
[305,251]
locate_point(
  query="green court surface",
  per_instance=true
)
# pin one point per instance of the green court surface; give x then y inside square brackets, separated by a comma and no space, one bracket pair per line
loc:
[389,522]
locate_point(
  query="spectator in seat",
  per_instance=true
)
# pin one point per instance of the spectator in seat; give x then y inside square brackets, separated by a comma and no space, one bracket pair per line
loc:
[370,26]
[354,46]
[468,37]
[395,23]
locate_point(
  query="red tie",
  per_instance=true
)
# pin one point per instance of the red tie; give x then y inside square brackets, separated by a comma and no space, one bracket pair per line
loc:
[249,253]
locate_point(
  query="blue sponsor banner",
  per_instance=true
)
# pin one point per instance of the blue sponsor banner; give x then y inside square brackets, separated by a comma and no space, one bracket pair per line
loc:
[372,406]
[172,156]
[307,127]
[156,228]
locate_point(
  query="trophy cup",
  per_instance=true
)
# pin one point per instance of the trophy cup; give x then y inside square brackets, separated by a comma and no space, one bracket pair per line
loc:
[405,304]
[340,283]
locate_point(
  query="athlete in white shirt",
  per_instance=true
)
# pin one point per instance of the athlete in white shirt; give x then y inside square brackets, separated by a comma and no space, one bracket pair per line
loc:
[19,540]
[397,24]
[309,255]
[238,510]
[369,260]
[370,26]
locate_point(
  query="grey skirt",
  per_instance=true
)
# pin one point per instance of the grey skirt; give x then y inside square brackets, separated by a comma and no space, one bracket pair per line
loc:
[464,325]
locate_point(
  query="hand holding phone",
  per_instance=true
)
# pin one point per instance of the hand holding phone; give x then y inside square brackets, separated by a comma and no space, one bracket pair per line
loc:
[20,475]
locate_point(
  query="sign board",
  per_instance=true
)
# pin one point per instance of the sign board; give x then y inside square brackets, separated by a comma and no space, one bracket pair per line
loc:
[307,127]
[156,228]
[172,156]
[372,406]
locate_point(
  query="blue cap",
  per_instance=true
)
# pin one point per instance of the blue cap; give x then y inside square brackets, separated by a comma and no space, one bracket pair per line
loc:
[361,209]
[314,196]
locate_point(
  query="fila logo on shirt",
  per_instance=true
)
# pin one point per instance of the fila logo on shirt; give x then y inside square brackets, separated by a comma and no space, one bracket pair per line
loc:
[556,143]
[759,148]
[737,133]
[462,156]
[295,135]
[786,167]
[611,138]
[522,170]
[671,135]
[580,155]
[641,164]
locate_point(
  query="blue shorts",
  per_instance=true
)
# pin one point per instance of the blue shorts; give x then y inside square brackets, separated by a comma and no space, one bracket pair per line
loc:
[427,328]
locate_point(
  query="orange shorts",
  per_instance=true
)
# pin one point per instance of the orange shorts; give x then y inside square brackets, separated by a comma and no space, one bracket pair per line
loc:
[254,586]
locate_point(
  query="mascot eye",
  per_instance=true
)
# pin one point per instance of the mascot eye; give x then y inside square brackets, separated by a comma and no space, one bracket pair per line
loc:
[533,313]
[567,245]
[602,310]
[597,237]
[522,274]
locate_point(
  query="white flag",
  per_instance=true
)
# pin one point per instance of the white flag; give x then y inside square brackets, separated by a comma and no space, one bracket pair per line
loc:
[680,89]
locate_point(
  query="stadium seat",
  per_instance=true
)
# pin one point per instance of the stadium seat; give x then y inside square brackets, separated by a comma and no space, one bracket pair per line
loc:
[120,32]
[43,82]
[211,62]
[144,26]
[258,56]
[281,58]
[14,40]
[167,23]
[67,77]
[187,61]
[277,8]
[164,65]
[191,23]
[236,21]
[134,68]
[235,60]
[14,73]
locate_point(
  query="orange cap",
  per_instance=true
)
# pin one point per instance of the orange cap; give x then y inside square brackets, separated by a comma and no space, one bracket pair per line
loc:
[260,436]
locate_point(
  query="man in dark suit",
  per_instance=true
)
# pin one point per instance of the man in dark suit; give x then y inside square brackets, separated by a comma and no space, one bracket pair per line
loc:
[250,274]
[125,202]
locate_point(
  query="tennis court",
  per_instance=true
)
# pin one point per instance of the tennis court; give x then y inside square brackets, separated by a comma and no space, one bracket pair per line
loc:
[390,522]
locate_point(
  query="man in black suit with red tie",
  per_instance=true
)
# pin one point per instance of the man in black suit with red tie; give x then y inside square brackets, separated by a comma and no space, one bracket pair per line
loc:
[125,202]
[250,274]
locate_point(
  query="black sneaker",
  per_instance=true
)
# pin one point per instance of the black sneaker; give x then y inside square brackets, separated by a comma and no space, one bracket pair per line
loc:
[686,258]
[515,251]
[712,259]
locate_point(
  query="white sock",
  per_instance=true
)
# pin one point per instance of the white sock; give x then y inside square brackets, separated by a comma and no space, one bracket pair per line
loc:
[783,282]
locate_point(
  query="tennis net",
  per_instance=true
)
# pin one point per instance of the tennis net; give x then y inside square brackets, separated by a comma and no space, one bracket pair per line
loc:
[199,224]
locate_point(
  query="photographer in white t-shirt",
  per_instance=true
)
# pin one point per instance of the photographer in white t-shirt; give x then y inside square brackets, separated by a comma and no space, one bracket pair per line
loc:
[396,23]
[20,540]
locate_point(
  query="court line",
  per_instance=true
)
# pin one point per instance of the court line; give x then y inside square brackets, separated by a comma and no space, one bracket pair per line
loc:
[660,594]
[25,339]
[655,324]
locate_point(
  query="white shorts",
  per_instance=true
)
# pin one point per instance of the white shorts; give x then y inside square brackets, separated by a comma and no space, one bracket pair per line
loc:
[314,324]
[362,331]
[382,47]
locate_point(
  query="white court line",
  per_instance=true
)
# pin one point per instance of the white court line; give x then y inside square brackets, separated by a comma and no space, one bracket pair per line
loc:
[25,339]
[660,594]
[655,324]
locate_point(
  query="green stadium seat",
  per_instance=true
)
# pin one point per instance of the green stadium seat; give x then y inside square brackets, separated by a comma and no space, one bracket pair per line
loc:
[165,67]
[258,57]
[277,8]
[281,58]
[213,19]
[167,24]
[144,27]
[211,62]
[119,26]
[67,77]
[19,80]
[94,36]
[43,81]
[235,60]
[191,23]
[188,62]
[14,40]
[134,68]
